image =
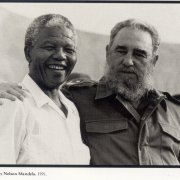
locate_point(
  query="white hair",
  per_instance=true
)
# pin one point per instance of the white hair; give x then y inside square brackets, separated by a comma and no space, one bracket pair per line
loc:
[48,20]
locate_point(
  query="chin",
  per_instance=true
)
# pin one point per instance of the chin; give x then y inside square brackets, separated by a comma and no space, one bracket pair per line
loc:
[52,85]
[134,91]
[131,94]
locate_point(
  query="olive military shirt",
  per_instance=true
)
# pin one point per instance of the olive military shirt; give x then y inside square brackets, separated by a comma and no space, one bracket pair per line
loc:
[118,134]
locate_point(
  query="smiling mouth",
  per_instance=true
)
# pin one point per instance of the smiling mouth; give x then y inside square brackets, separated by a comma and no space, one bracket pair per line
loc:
[57,67]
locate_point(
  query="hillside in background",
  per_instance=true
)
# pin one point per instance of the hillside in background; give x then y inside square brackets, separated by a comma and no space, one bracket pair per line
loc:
[91,54]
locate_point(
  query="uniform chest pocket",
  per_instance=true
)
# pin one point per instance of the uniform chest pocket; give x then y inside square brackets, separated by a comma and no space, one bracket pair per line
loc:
[106,126]
[170,131]
[170,144]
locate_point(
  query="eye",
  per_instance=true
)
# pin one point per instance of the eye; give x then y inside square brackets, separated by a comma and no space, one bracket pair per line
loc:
[121,50]
[70,51]
[49,48]
[140,54]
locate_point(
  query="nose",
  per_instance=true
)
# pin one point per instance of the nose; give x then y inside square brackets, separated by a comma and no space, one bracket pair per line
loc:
[59,54]
[128,60]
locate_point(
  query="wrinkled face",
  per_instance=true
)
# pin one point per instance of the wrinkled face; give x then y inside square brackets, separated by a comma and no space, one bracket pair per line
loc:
[130,60]
[52,57]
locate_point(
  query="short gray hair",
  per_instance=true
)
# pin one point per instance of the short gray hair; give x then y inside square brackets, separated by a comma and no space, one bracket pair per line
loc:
[48,20]
[137,24]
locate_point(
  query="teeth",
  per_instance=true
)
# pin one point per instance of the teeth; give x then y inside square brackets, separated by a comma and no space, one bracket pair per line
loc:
[56,67]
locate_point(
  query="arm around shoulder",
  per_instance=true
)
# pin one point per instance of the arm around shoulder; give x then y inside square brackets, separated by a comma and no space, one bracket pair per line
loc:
[11,91]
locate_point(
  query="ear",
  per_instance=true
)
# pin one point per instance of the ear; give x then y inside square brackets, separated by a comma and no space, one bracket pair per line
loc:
[155,59]
[107,50]
[27,52]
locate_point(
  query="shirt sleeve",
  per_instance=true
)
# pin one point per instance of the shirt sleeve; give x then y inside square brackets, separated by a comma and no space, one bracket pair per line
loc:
[12,130]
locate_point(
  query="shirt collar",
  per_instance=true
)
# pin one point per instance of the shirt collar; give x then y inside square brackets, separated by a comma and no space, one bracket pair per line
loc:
[102,90]
[39,96]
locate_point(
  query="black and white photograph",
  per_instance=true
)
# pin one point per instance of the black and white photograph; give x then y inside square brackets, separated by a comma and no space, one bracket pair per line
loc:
[89,86]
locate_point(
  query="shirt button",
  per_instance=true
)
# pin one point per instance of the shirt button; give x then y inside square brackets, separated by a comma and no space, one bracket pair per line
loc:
[143,118]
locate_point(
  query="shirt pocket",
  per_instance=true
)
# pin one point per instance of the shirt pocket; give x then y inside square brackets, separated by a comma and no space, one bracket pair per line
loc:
[173,132]
[170,144]
[106,126]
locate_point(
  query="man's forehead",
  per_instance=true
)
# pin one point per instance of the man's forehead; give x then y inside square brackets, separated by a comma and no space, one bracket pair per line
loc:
[133,37]
[56,31]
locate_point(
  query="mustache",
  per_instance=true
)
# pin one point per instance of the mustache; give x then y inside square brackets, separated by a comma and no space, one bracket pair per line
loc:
[127,70]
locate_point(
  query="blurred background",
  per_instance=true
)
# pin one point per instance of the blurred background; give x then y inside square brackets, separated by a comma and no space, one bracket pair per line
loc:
[93,22]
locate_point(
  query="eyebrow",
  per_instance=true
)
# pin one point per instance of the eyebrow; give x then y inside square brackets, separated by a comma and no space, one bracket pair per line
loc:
[121,47]
[54,42]
[48,42]
[135,49]
[141,51]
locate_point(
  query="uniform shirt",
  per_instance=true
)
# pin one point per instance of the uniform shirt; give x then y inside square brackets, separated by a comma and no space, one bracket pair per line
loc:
[36,131]
[118,134]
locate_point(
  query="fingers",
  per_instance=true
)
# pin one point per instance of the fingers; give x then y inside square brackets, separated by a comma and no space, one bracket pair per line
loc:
[7,96]
[19,91]
[12,93]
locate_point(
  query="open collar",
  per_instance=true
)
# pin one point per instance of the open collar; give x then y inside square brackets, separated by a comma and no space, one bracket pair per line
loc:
[152,97]
[41,98]
[38,95]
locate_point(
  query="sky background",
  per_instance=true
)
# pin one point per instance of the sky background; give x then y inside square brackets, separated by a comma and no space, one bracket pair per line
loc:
[101,17]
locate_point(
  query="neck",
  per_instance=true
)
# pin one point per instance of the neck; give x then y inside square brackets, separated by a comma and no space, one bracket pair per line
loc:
[53,93]
[136,103]
[133,101]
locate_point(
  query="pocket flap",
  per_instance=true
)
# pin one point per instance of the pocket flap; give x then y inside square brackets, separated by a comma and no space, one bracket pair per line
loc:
[172,131]
[106,126]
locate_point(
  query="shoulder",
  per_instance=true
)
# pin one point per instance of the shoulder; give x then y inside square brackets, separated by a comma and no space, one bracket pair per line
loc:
[13,111]
[172,106]
[79,82]
[172,99]
[15,107]
[177,97]
[172,111]
[12,105]
[79,89]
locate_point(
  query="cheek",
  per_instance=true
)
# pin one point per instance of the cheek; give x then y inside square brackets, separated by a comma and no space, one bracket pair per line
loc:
[144,68]
[71,62]
[115,65]
[37,65]
[114,60]
[149,69]
[41,57]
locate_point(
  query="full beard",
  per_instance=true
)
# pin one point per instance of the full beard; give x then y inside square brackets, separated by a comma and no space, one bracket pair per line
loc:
[131,87]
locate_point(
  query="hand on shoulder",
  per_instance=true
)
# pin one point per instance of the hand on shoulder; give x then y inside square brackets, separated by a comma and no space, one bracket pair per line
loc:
[11,91]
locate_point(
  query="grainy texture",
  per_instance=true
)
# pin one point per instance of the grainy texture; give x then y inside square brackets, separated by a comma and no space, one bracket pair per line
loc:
[91,54]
